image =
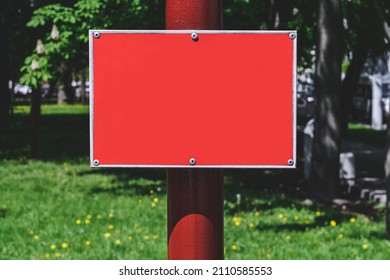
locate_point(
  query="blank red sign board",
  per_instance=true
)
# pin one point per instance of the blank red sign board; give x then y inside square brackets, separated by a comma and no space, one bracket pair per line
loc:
[193,99]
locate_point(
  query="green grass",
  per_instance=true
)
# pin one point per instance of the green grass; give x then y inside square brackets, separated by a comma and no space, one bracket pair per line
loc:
[57,207]
[46,204]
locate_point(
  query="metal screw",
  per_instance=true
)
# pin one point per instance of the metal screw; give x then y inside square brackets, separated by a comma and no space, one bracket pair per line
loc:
[96,162]
[192,161]
[290,162]
[194,36]
[292,35]
[96,35]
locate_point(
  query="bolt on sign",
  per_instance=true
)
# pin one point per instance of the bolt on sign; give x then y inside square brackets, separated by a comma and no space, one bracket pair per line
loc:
[193,98]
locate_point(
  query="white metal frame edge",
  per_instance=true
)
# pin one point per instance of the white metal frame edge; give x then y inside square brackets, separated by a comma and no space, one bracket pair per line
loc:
[91,95]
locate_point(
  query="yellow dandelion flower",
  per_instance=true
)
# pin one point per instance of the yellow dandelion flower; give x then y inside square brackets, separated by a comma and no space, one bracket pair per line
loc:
[284,219]
[146,237]
[87,222]
[333,223]
[117,242]
[235,219]
[57,254]
[64,245]
[251,225]
[111,215]
[280,216]
[130,237]
[110,226]
[341,236]
[139,201]
[89,216]
[352,220]
[47,255]
[155,200]
[153,205]
[234,247]
[87,243]
[365,246]
[78,222]
[318,213]
[296,218]
[237,223]
[257,213]
[53,247]
[107,235]
[36,237]
[151,192]
[155,236]
[99,216]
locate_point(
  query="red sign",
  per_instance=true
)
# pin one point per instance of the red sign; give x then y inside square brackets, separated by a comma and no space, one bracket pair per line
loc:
[204,99]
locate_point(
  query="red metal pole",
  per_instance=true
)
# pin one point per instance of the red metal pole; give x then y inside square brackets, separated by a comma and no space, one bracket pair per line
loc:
[195,196]
[193,14]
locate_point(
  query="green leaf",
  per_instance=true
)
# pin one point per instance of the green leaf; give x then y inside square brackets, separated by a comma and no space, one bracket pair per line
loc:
[36,21]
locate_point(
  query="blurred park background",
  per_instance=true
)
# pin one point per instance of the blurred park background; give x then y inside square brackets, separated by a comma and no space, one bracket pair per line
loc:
[333,206]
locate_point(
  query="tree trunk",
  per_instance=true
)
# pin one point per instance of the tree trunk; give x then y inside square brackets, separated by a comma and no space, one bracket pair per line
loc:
[5,98]
[324,177]
[272,16]
[35,114]
[360,53]
[66,83]
[284,9]
[351,80]
[280,13]
[53,88]
[386,34]
[69,91]
[82,88]
[387,179]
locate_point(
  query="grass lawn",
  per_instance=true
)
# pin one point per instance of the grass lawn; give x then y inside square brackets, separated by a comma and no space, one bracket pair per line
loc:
[57,207]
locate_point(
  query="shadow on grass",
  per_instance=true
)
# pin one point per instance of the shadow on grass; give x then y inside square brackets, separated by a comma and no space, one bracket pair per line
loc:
[65,138]
[380,235]
[131,181]
[287,227]
[60,138]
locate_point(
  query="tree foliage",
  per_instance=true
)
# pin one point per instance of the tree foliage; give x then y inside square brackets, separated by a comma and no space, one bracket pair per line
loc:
[74,21]
[70,46]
